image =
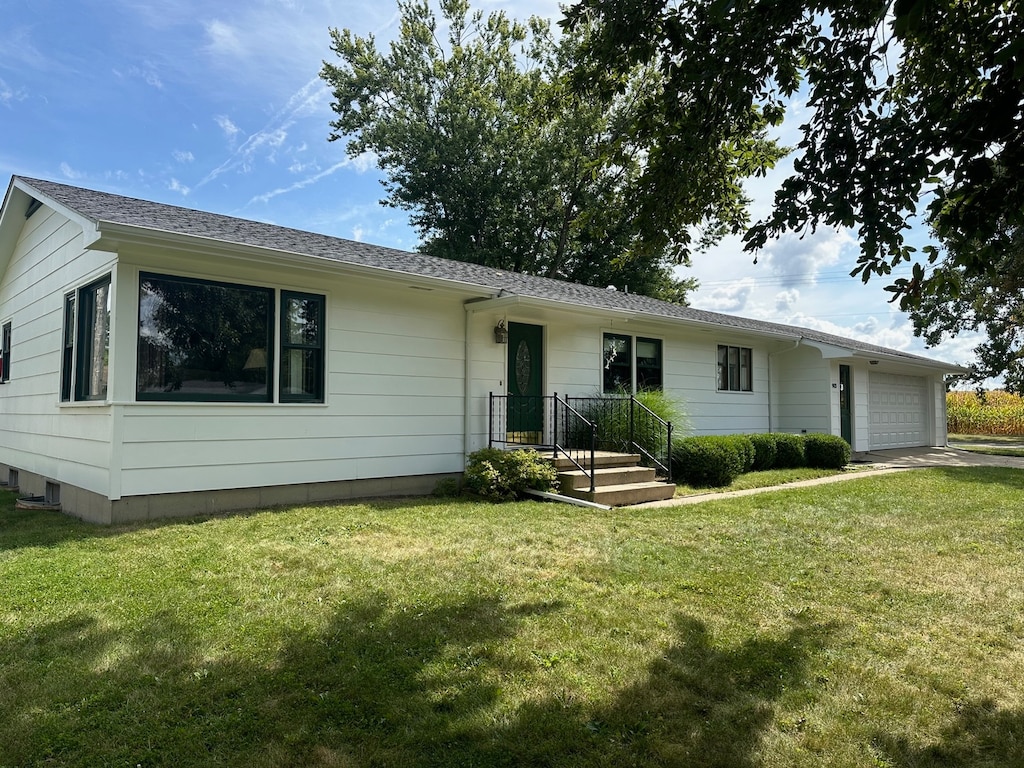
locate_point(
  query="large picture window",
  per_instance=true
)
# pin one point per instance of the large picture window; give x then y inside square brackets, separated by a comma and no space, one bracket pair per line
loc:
[735,369]
[631,364]
[86,344]
[302,347]
[204,341]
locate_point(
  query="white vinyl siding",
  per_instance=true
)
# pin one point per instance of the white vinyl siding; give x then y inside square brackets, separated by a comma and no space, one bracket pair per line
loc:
[393,406]
[47,261]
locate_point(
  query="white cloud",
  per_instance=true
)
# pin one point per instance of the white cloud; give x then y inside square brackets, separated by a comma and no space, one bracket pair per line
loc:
[8,94]
[177,186]
[267,196]
[222,38]
[69,172]
[230,129]
[731,298]
[183,156]
[147,74]
[357,233]
[796,261]
[786,300]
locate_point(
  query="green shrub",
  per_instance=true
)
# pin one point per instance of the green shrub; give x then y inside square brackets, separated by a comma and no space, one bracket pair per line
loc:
[707,461]
[745,448]
[826,451]
[789,451]
[764,451]
[503,475]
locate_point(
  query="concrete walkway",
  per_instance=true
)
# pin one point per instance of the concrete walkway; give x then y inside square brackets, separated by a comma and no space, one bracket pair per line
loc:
[865,465]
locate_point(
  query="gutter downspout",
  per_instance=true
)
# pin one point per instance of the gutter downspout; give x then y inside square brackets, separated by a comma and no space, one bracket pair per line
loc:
[771,383]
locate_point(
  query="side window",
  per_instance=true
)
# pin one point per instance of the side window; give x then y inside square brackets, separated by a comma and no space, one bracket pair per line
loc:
[86,343]
[648,364]
[624,355]
[618,363]
[302,347]
[5,353]
[735,369]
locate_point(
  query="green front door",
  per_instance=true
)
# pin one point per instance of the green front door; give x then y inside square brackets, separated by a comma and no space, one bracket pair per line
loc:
[525,382]
[845,404]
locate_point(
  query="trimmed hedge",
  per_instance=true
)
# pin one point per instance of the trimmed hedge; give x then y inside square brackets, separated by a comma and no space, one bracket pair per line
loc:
[717,460]
[708,461]
[826,451]
[764,451]
[789,451]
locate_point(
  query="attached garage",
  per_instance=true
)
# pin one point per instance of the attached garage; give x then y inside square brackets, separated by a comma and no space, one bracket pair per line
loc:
[898,410]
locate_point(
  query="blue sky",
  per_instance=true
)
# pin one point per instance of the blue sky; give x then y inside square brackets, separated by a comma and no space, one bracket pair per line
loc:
[218,106]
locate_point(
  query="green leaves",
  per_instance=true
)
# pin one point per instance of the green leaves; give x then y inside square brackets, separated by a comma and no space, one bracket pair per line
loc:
[496,158]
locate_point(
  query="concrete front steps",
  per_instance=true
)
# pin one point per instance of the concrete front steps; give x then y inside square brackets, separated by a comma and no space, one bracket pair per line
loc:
[619,480]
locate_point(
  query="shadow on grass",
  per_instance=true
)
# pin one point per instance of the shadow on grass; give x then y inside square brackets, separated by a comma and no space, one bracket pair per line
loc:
[381,686]
[982,735]
[1012,477]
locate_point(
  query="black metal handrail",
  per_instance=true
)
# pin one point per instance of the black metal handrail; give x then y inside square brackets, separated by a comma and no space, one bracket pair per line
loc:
[577,426]
[626,425]
[543,422]
[576,439]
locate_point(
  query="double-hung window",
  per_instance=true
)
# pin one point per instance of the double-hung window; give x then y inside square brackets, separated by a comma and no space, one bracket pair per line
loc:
[735,369]
[86,342]
[631,363]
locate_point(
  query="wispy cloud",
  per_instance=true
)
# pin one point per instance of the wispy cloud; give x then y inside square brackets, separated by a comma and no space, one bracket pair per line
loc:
[230,129]
[222,38]
[148,74]
[70,173]
[305,101]
[183,157]
[9,94]
[267,196]
[177,186]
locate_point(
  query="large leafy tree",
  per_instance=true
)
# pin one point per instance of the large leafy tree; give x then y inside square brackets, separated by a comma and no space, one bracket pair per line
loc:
[915,109]
[499,161]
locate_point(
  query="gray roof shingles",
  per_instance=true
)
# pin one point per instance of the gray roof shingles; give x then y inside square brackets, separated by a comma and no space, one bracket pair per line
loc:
[116,209]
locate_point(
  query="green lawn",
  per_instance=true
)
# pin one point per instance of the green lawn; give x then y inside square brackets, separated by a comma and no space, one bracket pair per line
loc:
[874,622]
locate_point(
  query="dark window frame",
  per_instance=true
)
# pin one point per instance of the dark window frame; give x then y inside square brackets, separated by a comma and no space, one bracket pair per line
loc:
[313,350]
[735,368]
[640,373]
[226,396]
[85,373]
[5,352]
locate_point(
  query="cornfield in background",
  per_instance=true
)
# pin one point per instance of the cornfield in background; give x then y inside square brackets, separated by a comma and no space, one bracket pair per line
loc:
[996,413]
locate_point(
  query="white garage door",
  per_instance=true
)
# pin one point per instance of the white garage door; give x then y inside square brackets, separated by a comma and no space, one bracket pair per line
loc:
[897,406]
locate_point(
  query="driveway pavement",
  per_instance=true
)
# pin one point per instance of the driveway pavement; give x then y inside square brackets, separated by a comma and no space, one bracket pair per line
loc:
[908,458]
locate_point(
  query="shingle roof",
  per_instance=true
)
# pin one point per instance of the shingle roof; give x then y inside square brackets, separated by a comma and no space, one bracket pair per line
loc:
[116,209]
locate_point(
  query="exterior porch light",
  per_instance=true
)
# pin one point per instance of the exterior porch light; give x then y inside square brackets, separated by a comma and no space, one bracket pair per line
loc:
[500,333]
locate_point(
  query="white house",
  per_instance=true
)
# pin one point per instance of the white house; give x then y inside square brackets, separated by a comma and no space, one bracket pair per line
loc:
[161,361]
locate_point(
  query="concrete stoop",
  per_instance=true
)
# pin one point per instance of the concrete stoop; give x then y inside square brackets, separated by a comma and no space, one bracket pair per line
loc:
[619,481]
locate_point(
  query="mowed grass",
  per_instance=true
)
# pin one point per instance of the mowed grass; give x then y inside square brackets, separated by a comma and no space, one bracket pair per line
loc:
[874,622]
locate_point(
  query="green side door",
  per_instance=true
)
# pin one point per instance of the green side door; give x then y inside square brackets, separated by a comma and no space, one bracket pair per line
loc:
[845,404]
